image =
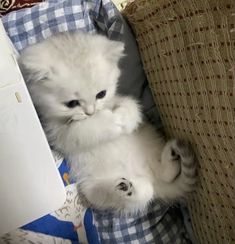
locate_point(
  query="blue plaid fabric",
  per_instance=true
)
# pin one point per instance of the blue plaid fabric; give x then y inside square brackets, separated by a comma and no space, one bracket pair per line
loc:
[160,223]
[31,25]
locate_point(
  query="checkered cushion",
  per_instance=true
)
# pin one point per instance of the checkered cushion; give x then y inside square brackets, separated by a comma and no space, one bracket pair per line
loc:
[159,224]
[31,25]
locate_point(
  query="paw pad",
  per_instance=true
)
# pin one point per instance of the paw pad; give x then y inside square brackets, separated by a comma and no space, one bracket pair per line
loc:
[125,186]
[122,186]
[175,156]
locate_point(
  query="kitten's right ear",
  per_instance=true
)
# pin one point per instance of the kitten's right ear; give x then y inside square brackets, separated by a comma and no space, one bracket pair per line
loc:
[33,65]
[115,50]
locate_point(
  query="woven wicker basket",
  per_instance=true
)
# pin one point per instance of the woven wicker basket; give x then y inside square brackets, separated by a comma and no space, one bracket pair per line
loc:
[188,52]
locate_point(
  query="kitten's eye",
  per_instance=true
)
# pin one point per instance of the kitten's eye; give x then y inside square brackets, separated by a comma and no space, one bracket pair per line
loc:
[101,94]
[72,104]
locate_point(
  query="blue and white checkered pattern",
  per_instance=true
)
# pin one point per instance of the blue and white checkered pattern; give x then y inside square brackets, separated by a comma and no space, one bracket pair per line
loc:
[31,25]
[160,223]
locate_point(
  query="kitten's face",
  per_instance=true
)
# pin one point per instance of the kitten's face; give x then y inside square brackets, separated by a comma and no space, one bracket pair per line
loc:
[74,84]
[70,95]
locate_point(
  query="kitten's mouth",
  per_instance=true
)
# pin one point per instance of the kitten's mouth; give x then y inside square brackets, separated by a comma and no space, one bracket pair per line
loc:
[69,121]
[74,119]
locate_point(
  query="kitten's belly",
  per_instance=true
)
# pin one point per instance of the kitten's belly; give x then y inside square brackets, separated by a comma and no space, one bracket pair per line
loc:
[128,154]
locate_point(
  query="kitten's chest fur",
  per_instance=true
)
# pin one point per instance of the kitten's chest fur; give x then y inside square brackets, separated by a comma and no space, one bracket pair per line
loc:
[127,154]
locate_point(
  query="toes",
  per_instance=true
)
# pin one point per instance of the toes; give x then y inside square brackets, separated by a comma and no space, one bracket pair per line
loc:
[184,147]
[175,156]
[125,187]
[181,150]
[122,186]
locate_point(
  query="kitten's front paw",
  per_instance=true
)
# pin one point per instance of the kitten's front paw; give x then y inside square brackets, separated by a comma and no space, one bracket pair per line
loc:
[111,123]
[127,119]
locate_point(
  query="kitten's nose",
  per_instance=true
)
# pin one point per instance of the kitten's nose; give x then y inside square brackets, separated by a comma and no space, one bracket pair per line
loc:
[89,110]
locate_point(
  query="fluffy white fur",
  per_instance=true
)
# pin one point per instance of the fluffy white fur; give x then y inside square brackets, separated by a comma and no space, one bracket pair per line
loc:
[119,161]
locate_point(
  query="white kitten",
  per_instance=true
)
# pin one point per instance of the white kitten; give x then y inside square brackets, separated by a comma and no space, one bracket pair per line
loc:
[119,162]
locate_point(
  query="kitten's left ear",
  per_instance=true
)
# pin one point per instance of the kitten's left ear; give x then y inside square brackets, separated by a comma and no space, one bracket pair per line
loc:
[115,51]
[35,63]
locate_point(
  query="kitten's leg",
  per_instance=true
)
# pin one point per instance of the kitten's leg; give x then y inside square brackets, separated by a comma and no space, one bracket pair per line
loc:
[128,111]
[134,195]
[119,194]
[102,127]
[178,170]
[99,192]
[105,125]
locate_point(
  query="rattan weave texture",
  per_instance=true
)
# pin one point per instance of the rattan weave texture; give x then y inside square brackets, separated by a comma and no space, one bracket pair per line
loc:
[188,52]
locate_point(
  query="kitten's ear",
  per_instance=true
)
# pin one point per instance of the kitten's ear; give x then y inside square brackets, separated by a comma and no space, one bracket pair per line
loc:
[115,51]
[34,64]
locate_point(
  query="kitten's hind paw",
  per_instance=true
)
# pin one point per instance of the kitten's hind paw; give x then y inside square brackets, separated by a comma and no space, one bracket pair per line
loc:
[133,195]
[188,163]
[177,159]
[124,187]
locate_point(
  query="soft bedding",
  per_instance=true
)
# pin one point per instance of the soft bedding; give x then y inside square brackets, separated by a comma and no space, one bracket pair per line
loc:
[73,223]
